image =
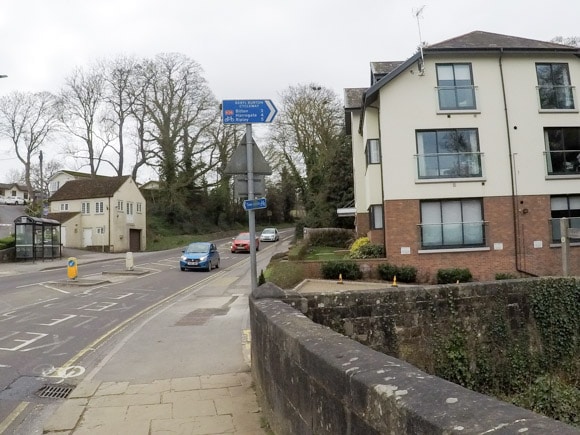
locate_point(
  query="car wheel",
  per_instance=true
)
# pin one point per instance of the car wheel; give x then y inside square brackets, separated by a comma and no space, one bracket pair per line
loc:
[182,269]
[217,266]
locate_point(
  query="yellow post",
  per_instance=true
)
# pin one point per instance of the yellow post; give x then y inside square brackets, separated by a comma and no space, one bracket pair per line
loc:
[72,269]
[339,278]
[394,281]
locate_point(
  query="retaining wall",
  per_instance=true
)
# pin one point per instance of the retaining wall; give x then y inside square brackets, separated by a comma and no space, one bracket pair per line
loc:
[312,380]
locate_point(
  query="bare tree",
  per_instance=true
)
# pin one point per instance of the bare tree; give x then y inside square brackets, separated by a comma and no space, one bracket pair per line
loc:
[574,41]
[307,130]
[81,113]
[178,108]
[28,120]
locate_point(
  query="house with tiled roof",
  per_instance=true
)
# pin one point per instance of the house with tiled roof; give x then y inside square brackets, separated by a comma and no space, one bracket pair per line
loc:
[57,180]
[466,155]
[102,213]
[8,190]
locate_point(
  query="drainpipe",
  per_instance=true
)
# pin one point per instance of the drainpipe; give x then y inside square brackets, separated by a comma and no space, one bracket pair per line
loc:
[512,175]
[109,224]
[382,180]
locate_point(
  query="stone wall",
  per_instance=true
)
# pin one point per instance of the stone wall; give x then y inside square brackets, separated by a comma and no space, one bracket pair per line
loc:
[312,380]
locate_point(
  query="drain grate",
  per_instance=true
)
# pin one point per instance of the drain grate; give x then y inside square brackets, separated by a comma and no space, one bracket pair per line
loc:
[55,391]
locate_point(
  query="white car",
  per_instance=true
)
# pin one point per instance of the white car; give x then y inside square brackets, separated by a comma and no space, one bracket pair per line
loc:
[269,235]
[2,200]
[15,200]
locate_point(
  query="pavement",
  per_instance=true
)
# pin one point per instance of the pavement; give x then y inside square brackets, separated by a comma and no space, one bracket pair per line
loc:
[152,402]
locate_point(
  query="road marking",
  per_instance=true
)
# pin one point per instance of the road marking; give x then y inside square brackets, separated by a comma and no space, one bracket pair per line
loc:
[92,346]
[55,289]
[12,416]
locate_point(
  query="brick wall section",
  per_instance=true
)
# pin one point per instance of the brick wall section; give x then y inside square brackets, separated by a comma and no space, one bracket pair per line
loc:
[403,216]
[362,224]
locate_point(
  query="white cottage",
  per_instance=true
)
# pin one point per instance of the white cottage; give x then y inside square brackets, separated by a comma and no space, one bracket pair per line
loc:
[101,213]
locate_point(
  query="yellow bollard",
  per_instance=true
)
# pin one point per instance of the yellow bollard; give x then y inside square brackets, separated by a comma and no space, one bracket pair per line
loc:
[72,269]
[394,281]
[339,278]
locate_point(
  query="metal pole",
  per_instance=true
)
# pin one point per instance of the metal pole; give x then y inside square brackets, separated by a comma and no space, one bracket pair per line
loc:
[565,244]
[251,215]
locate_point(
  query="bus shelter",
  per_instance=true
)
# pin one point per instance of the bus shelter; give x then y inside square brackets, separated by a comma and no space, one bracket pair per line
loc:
[37,238]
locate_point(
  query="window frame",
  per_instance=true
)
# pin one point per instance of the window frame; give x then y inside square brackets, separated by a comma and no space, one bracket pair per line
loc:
[373,152]
[573,215]
[565,156]
[455,88]
[448,229]
[376,222]
[468,165]
[85,207]
[553,87]
[99,207]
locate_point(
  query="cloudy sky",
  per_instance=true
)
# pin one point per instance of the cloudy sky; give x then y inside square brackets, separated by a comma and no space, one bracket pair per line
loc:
[252,48]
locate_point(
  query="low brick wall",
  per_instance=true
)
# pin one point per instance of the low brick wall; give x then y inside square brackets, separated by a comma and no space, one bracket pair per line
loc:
[312,380]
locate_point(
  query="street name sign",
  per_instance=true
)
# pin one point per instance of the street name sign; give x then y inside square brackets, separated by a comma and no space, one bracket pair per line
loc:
[248,111]
[252,204]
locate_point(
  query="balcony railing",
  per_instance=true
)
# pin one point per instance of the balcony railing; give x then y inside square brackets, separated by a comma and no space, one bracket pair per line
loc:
[573,222]
[451,235]
[556,97]
[456,97]
[562,162]
[449,165]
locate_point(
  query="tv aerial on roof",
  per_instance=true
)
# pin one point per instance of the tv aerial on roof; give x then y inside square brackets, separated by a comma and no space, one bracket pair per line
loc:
[418,13]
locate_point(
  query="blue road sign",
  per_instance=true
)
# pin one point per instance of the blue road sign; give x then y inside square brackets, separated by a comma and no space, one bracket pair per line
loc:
[252,204]
[248,111]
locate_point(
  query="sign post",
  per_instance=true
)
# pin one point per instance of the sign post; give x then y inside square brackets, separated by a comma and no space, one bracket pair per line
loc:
[248,112]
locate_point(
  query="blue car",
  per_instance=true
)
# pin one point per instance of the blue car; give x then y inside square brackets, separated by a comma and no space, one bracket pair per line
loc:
[200,255]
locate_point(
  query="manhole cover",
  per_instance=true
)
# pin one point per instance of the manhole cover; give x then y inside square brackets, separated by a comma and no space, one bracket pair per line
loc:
[55,391]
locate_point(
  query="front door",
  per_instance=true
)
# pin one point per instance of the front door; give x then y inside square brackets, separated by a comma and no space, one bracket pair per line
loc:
[134,240]
[87,237]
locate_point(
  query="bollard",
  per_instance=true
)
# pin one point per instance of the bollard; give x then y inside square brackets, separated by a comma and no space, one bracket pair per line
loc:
[394,281]
[72,268]
[129,265]
[339,278]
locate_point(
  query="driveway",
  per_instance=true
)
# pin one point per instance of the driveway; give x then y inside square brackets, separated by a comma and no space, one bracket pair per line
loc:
[7,215]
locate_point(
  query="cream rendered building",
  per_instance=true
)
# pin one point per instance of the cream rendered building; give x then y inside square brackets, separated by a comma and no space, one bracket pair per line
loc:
[465,155]
[101,213]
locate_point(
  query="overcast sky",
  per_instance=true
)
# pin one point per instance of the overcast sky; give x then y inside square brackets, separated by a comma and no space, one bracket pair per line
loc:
[252,48]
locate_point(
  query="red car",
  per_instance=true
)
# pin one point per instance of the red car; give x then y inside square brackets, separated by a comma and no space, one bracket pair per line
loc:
[242,243]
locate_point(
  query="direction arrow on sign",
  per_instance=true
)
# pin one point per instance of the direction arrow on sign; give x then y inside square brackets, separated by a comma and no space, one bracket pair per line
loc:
[248,111]
[252,204]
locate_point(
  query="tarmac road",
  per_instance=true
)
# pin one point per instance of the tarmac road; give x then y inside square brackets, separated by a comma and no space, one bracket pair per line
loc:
[196,341]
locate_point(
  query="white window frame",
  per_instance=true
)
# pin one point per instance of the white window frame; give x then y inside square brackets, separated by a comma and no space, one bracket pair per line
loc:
[64,206]
[373,152]
[99,207]
[376,217]
[85,208]
[120,205]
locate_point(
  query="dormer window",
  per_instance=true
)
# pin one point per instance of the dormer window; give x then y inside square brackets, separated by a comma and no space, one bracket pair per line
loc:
[455,86]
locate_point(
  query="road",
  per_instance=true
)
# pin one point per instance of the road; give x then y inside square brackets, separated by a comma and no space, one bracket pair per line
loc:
[52,333]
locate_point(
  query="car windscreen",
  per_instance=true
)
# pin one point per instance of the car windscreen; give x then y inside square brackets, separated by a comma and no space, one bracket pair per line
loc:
[197,248]
[243,237]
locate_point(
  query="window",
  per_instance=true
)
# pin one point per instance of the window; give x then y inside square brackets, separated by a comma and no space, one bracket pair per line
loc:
[376,217]
[562,150]
[99,207]
[554,87]
[119,205]
[139,208]
[564,207]
[455,86]
[129,207]
[373,152]
[448,154]
[100,230]
[86,208]
[53,187]
[452,224]
[64,207]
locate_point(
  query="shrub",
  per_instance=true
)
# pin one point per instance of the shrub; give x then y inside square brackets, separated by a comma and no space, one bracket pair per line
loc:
[299,251]
[368,251]
[335,237]
[407,274]
[358,243]
[403,273]
[299,231]
[387,271]
[451,276]
[261,278]
[7,242]
[348,269]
